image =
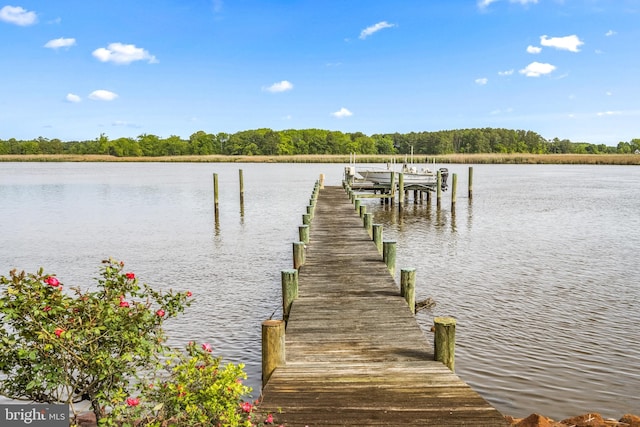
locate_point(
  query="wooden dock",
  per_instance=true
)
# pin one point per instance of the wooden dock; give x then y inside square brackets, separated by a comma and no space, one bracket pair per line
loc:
[355,355]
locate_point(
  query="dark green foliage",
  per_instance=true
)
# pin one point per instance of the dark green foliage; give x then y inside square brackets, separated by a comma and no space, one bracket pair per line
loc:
[318,141]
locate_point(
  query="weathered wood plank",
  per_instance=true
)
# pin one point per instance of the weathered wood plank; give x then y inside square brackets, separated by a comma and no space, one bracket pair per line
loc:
[355,354]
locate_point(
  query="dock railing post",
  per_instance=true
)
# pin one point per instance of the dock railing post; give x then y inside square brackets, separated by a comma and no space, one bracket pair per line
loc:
[273,351]
[306,219]
[321,181]
[289,291]
[389,256]
[356,203]
[444,340]
[366,222]
[408,287]
[363,210]
[298,255]
[377,236]
[303,233]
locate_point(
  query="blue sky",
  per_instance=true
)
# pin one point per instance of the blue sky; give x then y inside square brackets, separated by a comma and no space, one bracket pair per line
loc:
[75,69]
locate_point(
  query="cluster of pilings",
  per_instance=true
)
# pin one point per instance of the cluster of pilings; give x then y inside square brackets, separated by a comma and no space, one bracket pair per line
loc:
[444,327]
[273,330]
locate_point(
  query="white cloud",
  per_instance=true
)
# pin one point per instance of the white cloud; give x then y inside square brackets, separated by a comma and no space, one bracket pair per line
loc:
[282,86]
[375,28]
[500,111]
[570,43]
[610,33]
[534,49]
[482,81]
[608,93]
[608,113]
[17,15]
[124,124]
[102,95]
[343,112]
[536,69]
[505,73]
[483,4]
[72,97]
[61,42]
[123,54]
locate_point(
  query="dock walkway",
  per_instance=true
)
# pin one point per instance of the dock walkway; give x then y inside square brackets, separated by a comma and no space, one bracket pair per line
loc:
[355,355]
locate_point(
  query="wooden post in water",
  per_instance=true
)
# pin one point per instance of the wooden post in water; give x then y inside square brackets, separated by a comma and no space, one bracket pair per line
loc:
[401,191]
[289,290]
[303,232]
[310,211]
[298,255]
[444,340]
[215,193]
[389,255]
[408,287]
[377,236]
[454,190]
[241,177]
[306,219]
[366,221]
[393,188]
[439,191]
[273,351]
[470,182]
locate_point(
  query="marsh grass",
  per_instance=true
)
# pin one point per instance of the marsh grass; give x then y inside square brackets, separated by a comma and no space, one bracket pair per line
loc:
[488,158]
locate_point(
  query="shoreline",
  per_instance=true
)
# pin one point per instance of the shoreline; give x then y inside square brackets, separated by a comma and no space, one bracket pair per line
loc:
[592,419]
[488,158]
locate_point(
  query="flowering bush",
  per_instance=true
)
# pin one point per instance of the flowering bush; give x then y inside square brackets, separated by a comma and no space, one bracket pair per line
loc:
[60,346]
[108,346]
[195,389]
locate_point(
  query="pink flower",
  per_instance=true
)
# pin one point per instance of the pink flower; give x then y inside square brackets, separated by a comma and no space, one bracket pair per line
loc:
[269,419]
[207,347]
[124,304]
[189,293]
[130,276]
[160,313]
[246,407]
[133,401]
[58,332]
[52,281]
[47,308]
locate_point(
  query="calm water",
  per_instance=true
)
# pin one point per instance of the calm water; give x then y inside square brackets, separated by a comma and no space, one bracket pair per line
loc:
[541,269]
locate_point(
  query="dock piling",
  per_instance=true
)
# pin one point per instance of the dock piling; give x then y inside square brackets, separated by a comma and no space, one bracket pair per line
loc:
[389,255]
[273,351]
[444,341]
[377,236]
[408,287]
[289,280]
[298,255]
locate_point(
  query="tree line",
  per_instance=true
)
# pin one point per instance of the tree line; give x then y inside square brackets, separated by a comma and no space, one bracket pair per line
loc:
[318,141]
